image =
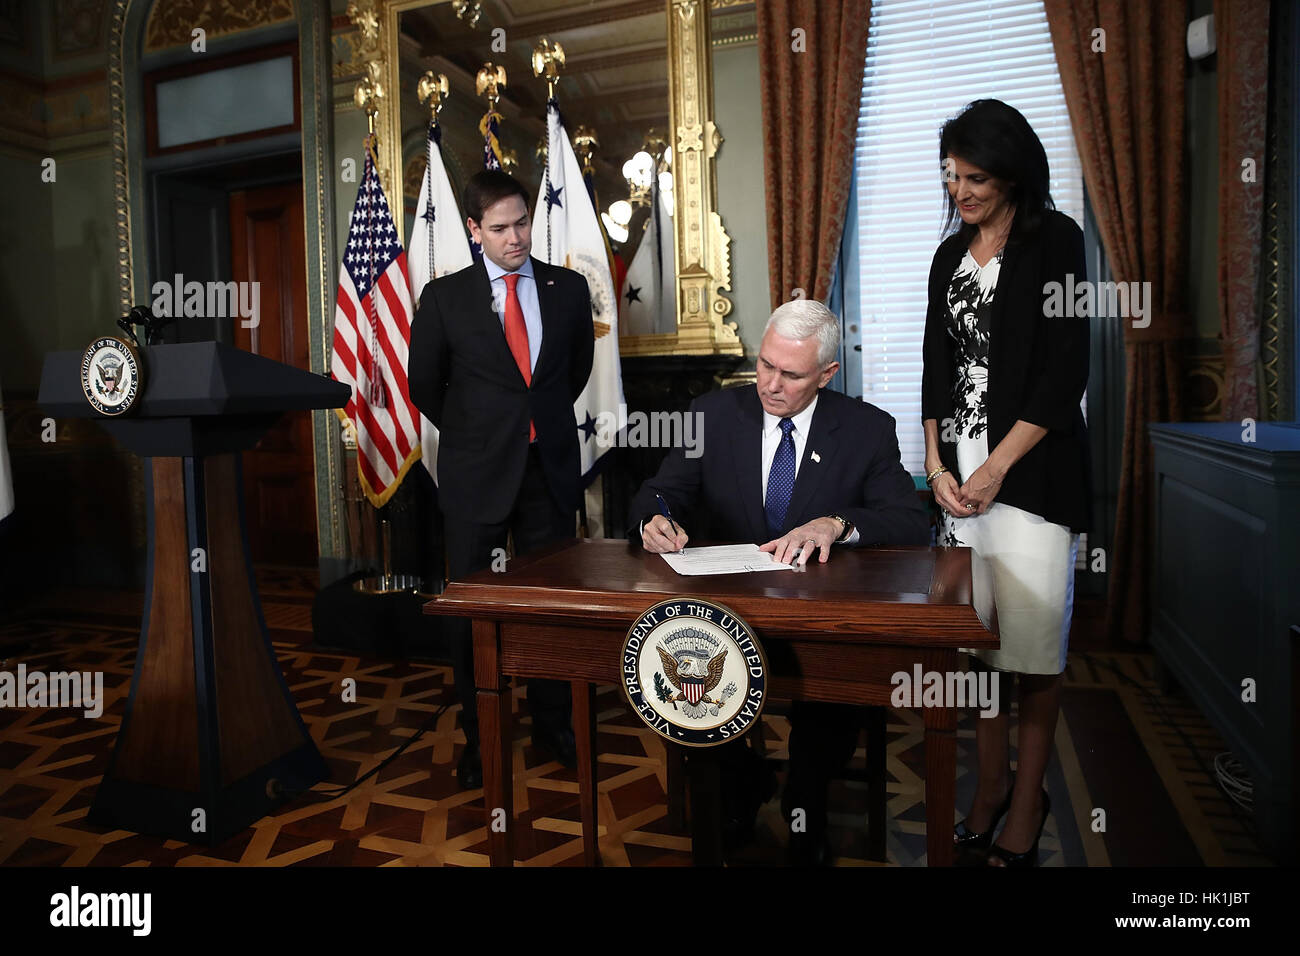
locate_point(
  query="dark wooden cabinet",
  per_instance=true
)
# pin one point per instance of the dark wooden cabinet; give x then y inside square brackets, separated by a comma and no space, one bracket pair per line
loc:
[1226,594]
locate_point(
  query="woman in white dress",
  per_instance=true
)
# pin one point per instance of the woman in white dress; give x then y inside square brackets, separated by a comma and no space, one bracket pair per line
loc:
[1006,443]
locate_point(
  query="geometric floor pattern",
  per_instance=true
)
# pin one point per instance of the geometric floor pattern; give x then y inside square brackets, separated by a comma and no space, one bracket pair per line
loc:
[1140,757]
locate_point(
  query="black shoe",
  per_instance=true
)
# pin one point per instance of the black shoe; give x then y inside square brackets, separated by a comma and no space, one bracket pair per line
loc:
[808,849]
[747,781]
[807,795]
[964,838]
[561,745]
[470,769]
[737,833]
[1030,856]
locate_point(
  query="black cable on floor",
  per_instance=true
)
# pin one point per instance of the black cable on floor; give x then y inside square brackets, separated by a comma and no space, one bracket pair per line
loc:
[326,795]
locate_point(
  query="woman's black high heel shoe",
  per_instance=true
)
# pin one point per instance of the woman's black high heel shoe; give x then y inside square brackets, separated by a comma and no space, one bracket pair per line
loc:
[964,838]
[1030,856]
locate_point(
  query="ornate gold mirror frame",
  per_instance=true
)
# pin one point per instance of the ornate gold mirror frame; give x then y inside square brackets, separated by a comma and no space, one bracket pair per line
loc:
[702,258]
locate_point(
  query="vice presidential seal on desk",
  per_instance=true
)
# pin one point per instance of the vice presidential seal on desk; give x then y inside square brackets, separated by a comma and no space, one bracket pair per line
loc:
[694,672]
[112,375]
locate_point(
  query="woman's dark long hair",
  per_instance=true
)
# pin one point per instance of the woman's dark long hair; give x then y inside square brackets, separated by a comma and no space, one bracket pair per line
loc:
[999,140]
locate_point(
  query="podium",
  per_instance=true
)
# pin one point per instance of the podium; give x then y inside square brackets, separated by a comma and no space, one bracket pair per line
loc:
[211,739]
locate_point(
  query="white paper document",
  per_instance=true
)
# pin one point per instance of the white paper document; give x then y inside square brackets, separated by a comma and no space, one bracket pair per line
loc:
[723,559]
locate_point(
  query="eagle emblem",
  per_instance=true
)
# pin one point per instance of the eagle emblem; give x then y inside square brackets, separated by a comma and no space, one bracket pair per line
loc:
[694,672]
[693,687]
[109,372]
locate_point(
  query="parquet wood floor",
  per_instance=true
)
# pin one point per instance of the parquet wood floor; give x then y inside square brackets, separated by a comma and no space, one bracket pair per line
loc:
[1121,747]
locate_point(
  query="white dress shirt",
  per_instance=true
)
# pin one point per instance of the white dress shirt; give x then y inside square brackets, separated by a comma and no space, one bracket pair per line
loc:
[526,290]
[772,441]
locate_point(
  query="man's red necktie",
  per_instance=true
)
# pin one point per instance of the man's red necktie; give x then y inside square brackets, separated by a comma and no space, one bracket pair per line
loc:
[517,338]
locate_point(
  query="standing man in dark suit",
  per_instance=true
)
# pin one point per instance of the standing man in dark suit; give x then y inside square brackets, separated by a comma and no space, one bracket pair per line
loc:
[801,471]
[499,353]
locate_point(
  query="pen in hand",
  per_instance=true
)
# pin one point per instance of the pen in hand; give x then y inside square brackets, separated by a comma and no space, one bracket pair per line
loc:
[663,509]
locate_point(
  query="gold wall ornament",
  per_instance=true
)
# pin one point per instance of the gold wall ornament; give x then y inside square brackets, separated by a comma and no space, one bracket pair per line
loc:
[171,23]
[121,172]
[585,144]
[433,89]
[369,92]
[363,14]
[655,144]
[468,10]
[548,59]
[490,78]
[639,174]
[413,176]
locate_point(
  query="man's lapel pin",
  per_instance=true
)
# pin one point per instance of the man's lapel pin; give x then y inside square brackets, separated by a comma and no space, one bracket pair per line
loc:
[816,457]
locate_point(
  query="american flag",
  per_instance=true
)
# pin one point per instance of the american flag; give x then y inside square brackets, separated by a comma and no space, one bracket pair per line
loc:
[372,329]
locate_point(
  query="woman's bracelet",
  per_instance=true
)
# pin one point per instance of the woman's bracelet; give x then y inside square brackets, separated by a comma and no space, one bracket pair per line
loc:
[929,479]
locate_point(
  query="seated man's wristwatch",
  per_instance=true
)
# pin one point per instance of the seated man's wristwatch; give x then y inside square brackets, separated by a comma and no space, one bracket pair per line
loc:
[847,528]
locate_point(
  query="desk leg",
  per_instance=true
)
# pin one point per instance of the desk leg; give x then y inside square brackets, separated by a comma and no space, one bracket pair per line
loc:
[495,743]
[584,731]
[877,775]
[940,769]
[706,805]
[675,778]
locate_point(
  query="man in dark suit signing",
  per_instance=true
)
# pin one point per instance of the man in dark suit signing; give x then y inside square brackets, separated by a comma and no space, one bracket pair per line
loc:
[801,471]
[499,353]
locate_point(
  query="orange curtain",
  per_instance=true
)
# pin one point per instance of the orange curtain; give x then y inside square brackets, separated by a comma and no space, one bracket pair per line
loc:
[811,56]
[1242,30]
[1123,69]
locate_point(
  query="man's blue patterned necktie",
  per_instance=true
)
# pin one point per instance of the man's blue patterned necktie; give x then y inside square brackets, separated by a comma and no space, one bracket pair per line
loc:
[780,480]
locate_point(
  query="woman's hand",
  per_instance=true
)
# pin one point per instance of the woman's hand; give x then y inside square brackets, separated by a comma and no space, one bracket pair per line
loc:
[980,490]
[948,495]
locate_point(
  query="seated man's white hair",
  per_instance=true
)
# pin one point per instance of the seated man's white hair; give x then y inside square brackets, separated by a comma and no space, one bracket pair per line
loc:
[807,318]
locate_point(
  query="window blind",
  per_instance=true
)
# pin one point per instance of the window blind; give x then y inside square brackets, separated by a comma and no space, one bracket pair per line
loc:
[926,60]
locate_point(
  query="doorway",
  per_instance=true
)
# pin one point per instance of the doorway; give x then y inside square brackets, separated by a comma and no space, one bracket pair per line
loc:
[242,220]
[268,247]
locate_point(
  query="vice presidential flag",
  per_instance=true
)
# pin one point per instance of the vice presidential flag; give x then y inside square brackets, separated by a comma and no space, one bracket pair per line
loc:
[648,300]
[566,232]
[438,246]
[372,329]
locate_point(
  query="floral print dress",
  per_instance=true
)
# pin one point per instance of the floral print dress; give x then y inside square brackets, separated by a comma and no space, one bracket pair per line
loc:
[1024,564]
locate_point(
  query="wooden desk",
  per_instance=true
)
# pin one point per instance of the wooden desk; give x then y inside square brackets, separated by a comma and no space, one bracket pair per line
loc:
[836,632]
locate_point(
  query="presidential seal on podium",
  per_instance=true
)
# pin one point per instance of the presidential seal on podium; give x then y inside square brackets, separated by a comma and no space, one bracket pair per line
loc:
[694,672]
[112,375]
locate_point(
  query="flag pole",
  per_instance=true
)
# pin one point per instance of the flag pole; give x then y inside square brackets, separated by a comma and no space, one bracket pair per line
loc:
[489,80]
[432,88]
[547,60]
